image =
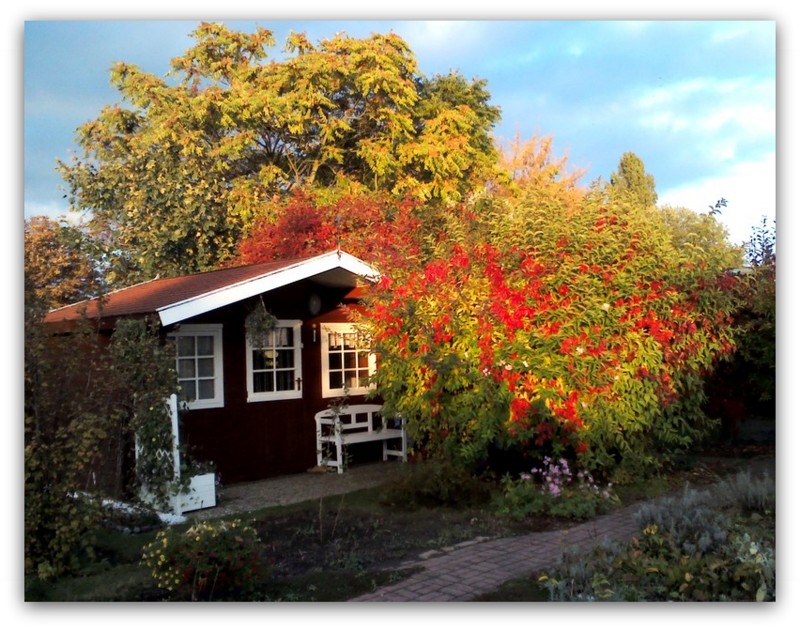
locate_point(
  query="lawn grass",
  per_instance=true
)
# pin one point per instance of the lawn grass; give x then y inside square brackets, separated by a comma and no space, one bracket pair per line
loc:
[517,590]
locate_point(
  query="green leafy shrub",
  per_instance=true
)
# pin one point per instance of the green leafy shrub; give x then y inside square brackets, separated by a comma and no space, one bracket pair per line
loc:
[147,368]
[436,484]
[69,415]
[57,525]
[756,319]
[130,518]
[554,490]
[580,577]
[751,570]
[83,403]
[208,561]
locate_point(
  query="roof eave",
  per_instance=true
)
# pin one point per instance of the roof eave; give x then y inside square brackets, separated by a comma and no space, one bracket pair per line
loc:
[191,307]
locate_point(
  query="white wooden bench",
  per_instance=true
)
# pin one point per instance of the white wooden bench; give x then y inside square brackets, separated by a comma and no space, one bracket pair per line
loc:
[355,424]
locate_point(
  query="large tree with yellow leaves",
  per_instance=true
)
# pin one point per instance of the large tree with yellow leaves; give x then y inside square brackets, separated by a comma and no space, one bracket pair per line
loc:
[176,172]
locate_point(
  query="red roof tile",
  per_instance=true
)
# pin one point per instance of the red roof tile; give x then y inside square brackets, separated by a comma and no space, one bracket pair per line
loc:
[148,297]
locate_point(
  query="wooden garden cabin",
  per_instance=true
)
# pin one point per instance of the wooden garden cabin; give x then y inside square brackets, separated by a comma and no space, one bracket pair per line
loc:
[251,410]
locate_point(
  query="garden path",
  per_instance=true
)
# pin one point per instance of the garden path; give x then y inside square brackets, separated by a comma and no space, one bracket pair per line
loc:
[465,571]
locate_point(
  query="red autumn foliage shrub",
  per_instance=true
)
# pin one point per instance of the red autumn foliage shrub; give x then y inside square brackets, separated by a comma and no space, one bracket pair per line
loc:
[587,337]
[371,226]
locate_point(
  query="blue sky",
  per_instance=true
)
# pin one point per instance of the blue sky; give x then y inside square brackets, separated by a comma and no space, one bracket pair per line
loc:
[695,100]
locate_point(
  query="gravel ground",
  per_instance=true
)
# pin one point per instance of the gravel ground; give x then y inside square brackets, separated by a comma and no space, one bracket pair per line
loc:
[245,497]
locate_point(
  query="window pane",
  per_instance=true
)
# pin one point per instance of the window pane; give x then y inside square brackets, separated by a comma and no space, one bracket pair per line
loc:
[285,359]
[185,346]
[186,368]
[274,367]
[205,389]
[262,382]
[205,346]
[284,381]
[205,367]
[263,359]
[285,338]
[348,358]
[196,364]
[188,390]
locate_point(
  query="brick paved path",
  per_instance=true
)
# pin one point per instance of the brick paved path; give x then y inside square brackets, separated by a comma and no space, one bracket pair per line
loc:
[471,569]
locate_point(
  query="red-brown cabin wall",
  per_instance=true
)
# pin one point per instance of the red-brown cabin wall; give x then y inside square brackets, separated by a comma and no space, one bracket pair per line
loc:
[254,440]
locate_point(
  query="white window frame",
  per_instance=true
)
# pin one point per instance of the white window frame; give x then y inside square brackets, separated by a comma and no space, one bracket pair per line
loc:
[204,330]
[327,391]
[297,392]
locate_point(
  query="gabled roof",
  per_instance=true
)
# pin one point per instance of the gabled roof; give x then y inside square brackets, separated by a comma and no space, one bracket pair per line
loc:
[178,299]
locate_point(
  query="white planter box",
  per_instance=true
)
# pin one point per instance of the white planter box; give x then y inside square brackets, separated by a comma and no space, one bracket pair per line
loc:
[202,493]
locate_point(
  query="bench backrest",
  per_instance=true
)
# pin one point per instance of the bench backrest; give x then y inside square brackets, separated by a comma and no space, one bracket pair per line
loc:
[353,417]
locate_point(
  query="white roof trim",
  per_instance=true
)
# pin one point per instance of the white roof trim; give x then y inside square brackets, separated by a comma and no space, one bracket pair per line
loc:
[180,311]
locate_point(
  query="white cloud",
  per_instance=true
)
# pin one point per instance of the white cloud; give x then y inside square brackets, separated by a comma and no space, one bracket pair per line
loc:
[631,27]
[441,38]
[664,121]
[729,31]
[670,95]
[749,187]
[711,125]
[711,104]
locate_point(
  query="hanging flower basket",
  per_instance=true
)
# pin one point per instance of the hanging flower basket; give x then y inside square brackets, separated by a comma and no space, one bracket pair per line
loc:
[259,325]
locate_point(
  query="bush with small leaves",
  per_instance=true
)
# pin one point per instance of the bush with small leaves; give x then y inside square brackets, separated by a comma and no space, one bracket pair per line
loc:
[209,561]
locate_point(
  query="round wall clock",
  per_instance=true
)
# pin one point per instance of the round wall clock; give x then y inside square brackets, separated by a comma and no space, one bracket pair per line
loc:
[314,304]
